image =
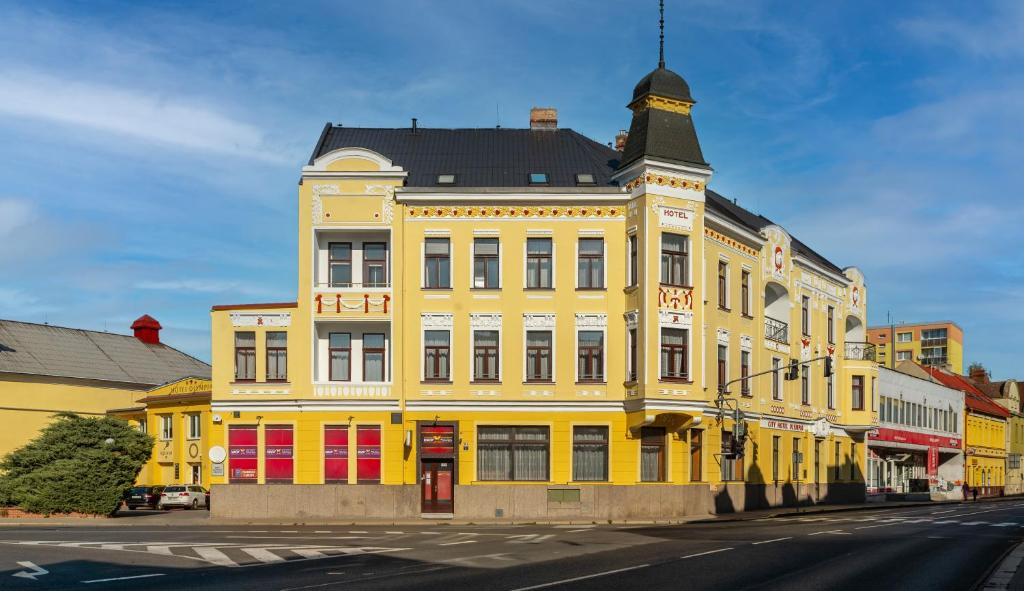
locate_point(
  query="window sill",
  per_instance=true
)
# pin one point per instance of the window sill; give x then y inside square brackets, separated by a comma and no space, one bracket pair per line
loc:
[284,382]
[435,382]
[591,383]
[675,286]
[538,289]
[244,382]
[724,308]
[746,395]
[591,289]
[449,288]
[630,288]
[631,383]
[746,316]
[539,383]
[665,380]
[491,382]
[485,289]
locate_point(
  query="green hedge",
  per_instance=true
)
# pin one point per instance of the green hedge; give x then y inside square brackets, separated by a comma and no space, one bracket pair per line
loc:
[71,467]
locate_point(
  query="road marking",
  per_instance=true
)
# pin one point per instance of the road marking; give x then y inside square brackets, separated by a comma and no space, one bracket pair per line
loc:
[36,570]
[321,531]
[1004,524]
[946,511]
[574,526]
[123,578]
[947,521]
[770,541]
[576,531]
[705,553]
[974,523]
[457,543]
[583,578]
[394,532]
[309,554]
[263,555]
[834,532]
[357,531]
[214,556]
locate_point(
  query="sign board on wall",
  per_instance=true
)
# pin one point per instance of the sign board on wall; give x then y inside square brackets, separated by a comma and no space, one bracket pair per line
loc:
[675,217]
[782,425]
[218,469]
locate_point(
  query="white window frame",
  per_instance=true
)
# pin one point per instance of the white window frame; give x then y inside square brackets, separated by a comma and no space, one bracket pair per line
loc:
[451,260]
[473,327]
[689,256]
[630,235]
[166,427]
[728,280]
[444,327]
[604,259]
[472,259]
[777,377]
[554,265]
[195,427]
[909,339]
[900,355]
[604,356]
[143,426]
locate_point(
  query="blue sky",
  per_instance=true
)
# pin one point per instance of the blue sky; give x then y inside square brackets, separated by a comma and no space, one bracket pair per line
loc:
[149,153]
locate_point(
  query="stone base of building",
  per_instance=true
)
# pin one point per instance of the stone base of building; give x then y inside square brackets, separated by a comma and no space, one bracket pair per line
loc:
[524,502]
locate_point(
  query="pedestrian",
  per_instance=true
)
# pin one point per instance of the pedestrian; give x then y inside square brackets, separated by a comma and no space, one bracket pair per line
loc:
[974,491]
[967,491]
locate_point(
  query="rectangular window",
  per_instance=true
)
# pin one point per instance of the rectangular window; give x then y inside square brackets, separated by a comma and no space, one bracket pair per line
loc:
[277,356]
[340,263]
[245,356]
[732,467]
[538,263]
[538,356]
[652,454]
[335,454]
[745,292]
[674,260]
[375,264]
[776,378]
[776,442]
[513,453]
[805,384]
[696,471]
[745,373]
[242,453]
[632,374]
[723,362]
[830,384]
[143,426]
[591,263]
[195,429]
[590,454]
[838,466]
[874,395]
[805,315]
[485,356]
[831,325]
[373,357]
[166,427]
[904,355]
[674,355]
[796,459]
[485,263]
[634,260]
[437,355]
[723,285]
[340,349]
[590,356]
[857,392]
[904,337]
[437,262]
[368,454]
[278,458]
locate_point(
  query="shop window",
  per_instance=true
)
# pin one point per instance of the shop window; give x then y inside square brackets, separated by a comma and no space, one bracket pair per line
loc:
[335,454]
[242,453]
[590,454]
[278,454]
[652,454]
[513,453]
[368,454]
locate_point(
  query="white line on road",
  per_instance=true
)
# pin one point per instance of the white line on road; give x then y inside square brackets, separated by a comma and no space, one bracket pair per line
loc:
[583,578]
[770,541]
[834,532]
[947,521]
[123,578]
[705,553]
[871,526]
[310,554]
[214,556]
[457,543]
[263,555]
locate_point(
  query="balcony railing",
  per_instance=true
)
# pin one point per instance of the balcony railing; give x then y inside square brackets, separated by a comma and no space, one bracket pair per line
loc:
[776,330]
[859,351]
[352,285]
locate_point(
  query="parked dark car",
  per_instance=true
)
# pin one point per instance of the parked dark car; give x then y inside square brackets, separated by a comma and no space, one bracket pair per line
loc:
[143,496]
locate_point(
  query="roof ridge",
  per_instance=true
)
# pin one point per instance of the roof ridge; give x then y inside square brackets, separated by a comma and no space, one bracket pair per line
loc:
[86,330]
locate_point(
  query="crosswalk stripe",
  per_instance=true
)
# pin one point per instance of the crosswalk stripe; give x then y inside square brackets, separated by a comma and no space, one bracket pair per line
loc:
[214,556]
[262,554]
[1004,524]
[306,553]
[974,523]
[947,521]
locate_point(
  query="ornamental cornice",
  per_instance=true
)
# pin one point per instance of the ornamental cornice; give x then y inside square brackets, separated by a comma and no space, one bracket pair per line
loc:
[514,212]
[485,320]
[437,320]
[592,320]
[665,180]
[661,103]
[539,321]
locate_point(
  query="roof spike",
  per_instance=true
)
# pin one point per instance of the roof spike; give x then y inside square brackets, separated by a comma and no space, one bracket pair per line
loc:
[661,33]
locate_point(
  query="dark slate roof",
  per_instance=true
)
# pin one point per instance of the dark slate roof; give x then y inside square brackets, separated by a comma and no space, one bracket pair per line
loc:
[481,157]
[663,82]
[664,135]
[41,349]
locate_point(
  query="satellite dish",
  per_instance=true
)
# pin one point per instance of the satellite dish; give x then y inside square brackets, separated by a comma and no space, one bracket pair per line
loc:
[217,454]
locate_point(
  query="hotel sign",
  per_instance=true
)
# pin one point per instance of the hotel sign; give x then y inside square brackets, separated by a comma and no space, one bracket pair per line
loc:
[783,425]
[675,217]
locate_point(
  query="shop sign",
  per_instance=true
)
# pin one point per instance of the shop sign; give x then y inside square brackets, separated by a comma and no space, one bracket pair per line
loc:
[782,425]
[218,469]
[278,453]
[927,439]
[675,217]
[933,460]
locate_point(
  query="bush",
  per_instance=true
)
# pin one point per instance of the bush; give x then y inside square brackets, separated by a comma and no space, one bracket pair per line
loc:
[70,467]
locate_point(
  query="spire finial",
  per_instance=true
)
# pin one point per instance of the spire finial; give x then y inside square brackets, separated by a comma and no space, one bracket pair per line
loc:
[661,33]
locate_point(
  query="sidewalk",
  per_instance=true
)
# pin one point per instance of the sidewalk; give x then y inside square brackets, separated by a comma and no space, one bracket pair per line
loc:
[203,518]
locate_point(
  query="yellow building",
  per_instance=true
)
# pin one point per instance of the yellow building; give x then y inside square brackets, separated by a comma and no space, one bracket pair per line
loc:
[938,344]
[526,323]
[1006,393]
[178,417]
[46,370]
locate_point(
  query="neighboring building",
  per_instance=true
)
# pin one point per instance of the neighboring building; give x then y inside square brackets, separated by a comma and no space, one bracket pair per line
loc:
[936,344]
[46,370]
[985,434]
[525,323]
[178,416]
[918,446]
[1007,394]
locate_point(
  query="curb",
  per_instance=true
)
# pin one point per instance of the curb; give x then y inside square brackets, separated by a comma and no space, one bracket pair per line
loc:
[1002,571]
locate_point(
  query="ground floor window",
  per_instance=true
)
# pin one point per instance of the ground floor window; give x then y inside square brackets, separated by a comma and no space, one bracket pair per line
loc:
[513,453]
[652,454]
[696,472]
[336,454]
[278,454]
[839,467]
[732,467]
[242,453]
[590,453]
[368,454]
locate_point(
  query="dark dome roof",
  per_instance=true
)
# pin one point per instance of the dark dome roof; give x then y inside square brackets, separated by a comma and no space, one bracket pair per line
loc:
[663,82]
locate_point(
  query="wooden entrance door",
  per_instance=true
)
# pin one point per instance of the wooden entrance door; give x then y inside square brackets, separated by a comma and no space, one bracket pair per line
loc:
[437,487]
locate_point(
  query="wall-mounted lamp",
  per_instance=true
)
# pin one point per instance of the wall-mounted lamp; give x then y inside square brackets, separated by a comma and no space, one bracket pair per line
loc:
[408,438]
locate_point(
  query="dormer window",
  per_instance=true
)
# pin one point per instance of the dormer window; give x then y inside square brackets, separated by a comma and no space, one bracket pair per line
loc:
[446,179]
[538,178]
[584,179]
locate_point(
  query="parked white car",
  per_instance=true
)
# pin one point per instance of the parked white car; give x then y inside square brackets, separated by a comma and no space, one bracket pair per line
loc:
[189,496]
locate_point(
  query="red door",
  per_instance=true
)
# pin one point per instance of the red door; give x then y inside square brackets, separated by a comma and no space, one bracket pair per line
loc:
[437,487]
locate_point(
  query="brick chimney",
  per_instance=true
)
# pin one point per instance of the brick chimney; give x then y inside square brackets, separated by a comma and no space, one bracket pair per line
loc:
[978,374]
[620,140]
[147,329]
[543,118]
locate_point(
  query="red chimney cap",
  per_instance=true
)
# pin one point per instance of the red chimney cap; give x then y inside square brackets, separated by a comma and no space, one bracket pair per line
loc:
[146,321]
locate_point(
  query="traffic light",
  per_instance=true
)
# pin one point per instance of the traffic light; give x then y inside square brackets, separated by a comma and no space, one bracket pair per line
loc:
[793,373]
[828,367]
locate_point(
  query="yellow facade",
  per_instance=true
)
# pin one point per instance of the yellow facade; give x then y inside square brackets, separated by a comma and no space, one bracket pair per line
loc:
[30,403]
[178,417]
[985,448]
[357,196]
[934,343]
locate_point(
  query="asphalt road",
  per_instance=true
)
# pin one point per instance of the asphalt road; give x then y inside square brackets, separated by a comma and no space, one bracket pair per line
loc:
[928,547]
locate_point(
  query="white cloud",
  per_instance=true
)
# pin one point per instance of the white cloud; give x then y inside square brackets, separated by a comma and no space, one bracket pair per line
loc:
[204,286]
[14,213]
[151,117]
[997,36]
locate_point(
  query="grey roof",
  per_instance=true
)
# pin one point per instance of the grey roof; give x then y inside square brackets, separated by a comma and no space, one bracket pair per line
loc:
[41,349]
[487,157]
[663,82]
[663,135]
